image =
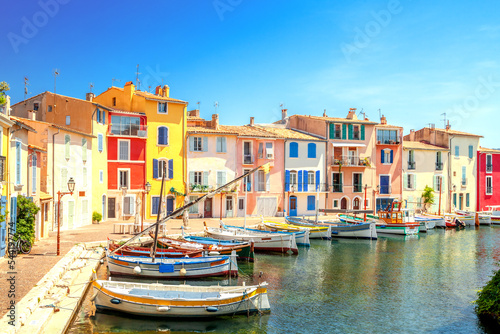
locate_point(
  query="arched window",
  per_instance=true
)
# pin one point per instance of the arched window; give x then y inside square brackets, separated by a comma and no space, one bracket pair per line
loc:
[294,150]
[356,204]
[162,135]
[311,150]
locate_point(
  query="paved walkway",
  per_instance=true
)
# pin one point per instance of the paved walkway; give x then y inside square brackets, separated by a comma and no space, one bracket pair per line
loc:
[32,267]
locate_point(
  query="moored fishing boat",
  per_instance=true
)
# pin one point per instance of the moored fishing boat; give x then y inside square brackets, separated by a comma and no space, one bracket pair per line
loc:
[145,251]
[172,268]
[301,237]
[469,220]
[395,220]
[484,219]
[433,220]
[315,231]
[494,212]
[263,241]
[244,250]
[159,300]
[341,229]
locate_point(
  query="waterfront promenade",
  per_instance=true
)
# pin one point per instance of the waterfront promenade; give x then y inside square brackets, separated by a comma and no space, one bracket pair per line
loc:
[32,267]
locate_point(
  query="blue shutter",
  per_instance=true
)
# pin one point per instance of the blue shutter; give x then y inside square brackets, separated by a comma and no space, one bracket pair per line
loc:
[99,142]
[165,136]
[470,152]
[310,203]
[294,150]
[171,169]
[103,117]
[382,156]
[300,181]
[317,180]
[13,213]
[160,135]
[155,168]
[287,180]
[305,180]
[98,115]
[311,150]
[457,151]
[362,132]
[455,199]
[351,131]
[154,204]
[344,131]
[392,156]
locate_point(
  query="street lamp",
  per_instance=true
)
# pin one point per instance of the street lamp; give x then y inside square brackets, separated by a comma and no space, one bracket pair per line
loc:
[147,189]
[71,188]
[366,187]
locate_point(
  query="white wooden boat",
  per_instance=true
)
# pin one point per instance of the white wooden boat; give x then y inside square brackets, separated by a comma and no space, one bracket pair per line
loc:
[358,229]
[315,231]
[468,219]
[172,268]
[494,212]
[484,219]
[159,300]
[263,241]
[430,220]
[395,220]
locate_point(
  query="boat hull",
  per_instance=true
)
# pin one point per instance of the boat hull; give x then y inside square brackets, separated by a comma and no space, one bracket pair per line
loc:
[168,268]
[318,232]
[154,301]
[400,229]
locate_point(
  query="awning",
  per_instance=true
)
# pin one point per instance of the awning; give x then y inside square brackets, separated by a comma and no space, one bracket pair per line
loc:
[348,145]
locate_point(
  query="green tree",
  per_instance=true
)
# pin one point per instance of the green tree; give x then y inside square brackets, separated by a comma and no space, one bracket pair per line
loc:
[488,301]
[428,197]
[26,211]
[3,88]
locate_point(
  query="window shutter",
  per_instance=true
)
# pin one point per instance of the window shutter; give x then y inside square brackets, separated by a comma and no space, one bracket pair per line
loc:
[317,180]
[344,131]
[287,180]
[205,178]
[191,178]
[299,181]
[311,150]
[268,182]
[362,132]
[224,144]
[405,180]
[435,183]
[332,131]
[154,206]
[414,181]
[165,136]
[103,117]
[305,180]
[131,206]
[33,163]
[205,144]
[218,144]
[171,169]
[155,168]
[470,151]
[191,144]
[467,199]
[18,162]
[392,156]
[13,213]
[160,135]
[351,131]
[67,140]
[98,115]
[99,142]
[256,180]
[382,156]
[294,150]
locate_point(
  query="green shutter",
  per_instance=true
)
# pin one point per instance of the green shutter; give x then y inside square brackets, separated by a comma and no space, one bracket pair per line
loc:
[350,131]
[332,131]
[344,131]
[362,132]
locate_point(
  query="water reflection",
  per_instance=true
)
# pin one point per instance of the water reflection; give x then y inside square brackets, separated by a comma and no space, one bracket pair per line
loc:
[424,283]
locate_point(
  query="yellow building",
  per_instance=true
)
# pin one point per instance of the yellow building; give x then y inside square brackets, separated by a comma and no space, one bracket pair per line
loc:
[165,146]
[5,125]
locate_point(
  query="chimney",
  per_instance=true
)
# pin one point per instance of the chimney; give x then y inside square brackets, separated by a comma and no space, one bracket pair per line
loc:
[412,135]
[283,114]
[89,96]
[158,91]
[215,121]
[252,120]
[383,120]
[448,125]
[166,91]
[324,113]
[32,115]
[194,113]
[352,114]
[129,89]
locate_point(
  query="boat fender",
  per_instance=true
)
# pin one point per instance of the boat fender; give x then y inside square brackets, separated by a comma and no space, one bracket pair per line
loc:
[137,270]
[182,272]
[212,309]
[115,301]
[213,253]
[162,308]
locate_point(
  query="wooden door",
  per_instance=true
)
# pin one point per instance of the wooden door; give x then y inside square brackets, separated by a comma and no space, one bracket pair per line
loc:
[207,212]
[111,207]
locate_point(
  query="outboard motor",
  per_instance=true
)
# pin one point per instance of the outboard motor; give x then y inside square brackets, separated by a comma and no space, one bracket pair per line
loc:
[460,224]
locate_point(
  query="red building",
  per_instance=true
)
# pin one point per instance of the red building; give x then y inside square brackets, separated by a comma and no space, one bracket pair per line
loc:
[488,178]
[126,163]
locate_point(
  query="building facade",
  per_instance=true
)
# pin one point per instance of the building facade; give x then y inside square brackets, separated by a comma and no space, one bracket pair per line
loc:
[488,180]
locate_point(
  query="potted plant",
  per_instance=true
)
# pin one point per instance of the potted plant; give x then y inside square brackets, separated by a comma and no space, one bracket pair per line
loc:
[96,217]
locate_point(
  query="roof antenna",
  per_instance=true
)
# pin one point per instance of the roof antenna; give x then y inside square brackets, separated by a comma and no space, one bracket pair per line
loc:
[91,85]
[56,73]
[113,81]
[137,81]
[444,120]
[379,114]
[216,105]
[362,112]
[26,84]
[198,103]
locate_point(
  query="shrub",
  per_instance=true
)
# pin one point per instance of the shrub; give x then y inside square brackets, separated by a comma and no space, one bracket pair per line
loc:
[488,301]
[26,211]
[96,216]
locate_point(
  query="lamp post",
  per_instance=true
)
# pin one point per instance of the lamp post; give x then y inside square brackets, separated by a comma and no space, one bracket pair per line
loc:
[147,189]
[366,187]
[71,188]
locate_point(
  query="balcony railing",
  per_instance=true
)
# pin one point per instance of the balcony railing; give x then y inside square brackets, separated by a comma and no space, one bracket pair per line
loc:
[199,188]
[385,190]
[134,130]
[247,159]
[489,168]
[357,188]
[489,190]
[463,183]
[311,188]
[411,165]
[337,187]
[439,166]
[351,161]
[387,142]
[2,168]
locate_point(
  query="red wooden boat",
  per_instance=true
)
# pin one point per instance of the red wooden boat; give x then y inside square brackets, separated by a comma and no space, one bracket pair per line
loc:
[160,252]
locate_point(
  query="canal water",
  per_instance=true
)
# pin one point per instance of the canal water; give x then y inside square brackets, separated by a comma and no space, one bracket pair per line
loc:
[416,284]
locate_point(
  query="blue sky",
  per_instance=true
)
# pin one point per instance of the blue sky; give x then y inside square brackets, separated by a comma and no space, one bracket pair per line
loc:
[412,60]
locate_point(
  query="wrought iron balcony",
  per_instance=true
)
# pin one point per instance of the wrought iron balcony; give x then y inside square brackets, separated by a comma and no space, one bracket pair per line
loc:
[247,159]
[337,187]
[489,168]
[439,166]
[351,161]
[412,165]
[357,188]
[489,190]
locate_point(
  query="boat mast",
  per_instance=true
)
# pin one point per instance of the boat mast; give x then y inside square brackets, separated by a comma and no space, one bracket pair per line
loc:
[155,241]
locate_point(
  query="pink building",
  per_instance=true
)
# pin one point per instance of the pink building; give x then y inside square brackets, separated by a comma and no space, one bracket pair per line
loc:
[389,163]
[350,158]
[488,178]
